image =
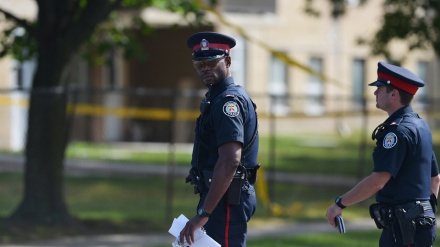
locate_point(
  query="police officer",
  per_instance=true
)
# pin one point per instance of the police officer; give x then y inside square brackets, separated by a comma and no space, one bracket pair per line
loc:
[224,159]
[405,177]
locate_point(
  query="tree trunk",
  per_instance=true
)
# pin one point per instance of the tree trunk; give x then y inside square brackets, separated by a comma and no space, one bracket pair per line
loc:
[61,28]
[43,201]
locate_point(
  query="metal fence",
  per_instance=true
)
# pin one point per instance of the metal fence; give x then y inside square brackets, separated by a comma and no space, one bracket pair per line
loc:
[166,115]
[128,117]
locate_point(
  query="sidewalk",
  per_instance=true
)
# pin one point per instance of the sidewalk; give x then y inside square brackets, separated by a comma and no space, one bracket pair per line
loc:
[75,167]
[131,240]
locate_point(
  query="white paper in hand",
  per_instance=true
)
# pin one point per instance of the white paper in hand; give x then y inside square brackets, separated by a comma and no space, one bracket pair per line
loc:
[178,225]
[201,239]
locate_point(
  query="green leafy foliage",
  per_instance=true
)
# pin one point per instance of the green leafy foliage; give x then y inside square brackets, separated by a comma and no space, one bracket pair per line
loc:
[21,41]
[17,42]
[416,23]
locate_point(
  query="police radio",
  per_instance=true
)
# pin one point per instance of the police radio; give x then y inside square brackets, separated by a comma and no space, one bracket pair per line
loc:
[204,105]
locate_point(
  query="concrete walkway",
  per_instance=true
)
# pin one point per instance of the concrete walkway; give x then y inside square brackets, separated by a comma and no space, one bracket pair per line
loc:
[132,240]
[75,167]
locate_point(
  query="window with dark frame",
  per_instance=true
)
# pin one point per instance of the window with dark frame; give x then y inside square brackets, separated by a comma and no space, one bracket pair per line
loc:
[314,104]
[358,78]
[422,72]
[249,6]
[278,87]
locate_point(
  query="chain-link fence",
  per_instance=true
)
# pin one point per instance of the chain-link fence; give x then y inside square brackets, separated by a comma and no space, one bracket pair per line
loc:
[145,120]
[148,115]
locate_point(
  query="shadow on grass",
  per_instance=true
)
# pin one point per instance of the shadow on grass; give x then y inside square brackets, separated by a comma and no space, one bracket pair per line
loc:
[19,232]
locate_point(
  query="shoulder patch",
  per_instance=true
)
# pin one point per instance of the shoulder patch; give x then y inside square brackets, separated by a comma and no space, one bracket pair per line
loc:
[231,109]
[390,140]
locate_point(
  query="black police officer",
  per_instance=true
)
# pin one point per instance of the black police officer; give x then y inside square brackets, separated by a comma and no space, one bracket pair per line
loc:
[405,177]
[224,159]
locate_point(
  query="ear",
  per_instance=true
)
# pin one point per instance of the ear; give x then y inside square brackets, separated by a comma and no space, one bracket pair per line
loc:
[395,94]
[228,61]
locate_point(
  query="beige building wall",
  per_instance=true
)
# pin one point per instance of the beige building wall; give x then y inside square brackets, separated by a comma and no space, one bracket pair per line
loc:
[5,114]
[302,36]
[289,30]
[13,104]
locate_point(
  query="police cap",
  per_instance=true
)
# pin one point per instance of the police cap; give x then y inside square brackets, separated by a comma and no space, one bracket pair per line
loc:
[398,77]
[208,45]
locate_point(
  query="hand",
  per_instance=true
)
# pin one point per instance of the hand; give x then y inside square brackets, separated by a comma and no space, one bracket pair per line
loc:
[332,211]
[191,226]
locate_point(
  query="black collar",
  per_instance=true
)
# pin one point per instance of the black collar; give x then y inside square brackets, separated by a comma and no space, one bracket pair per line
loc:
[216,89]
[399,113]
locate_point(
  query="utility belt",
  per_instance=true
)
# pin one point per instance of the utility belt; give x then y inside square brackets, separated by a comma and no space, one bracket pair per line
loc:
[408,215]
[202,179]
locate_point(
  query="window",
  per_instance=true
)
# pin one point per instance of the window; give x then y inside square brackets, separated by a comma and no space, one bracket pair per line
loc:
[358,79]
[249,6]
[421,99]
[422,72]
[279,104]
[315,89]
[238,66]
[113,71]
[23,75]
[353,3]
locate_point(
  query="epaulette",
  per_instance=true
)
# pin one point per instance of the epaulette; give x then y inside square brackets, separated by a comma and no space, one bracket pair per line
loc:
[397,121]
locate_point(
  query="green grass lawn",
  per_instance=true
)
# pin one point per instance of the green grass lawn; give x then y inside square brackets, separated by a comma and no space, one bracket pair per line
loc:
[323,154]
[140,204]
[145,199]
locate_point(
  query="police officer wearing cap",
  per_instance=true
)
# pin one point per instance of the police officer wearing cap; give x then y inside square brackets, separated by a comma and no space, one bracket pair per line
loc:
[405,177]
[224,159]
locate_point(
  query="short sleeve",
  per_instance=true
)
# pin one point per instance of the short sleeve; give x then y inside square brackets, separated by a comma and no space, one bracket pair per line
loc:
[228,121]
[387,155]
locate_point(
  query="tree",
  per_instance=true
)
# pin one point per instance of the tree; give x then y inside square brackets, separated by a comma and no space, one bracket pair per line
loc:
[60,29]
[416,23]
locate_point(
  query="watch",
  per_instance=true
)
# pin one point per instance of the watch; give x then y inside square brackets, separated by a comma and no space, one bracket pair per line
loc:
[339,203]
[202,213]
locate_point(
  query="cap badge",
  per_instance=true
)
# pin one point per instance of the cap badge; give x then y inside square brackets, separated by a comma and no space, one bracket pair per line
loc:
[204,45]
[390,140]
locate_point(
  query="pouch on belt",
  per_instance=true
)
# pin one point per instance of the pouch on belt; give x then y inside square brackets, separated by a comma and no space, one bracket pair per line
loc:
[234,190]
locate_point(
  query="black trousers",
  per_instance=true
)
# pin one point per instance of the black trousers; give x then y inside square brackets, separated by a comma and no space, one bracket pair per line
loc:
[228,223]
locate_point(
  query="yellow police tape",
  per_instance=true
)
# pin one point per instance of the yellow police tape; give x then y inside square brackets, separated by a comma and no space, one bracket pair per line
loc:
[281,56]
[9,101]
[133,112]
[274,208]
[163,114]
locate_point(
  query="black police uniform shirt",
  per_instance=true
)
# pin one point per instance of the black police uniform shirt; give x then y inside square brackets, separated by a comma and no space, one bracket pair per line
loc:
[404,149]
[230,117]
